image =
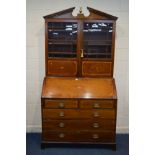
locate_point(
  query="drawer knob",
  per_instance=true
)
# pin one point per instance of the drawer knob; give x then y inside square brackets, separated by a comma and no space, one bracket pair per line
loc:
[96,105]
[96,114]
[61,105]
[61,114]
[95,136]
[61,135]
[96,125]
[61,125]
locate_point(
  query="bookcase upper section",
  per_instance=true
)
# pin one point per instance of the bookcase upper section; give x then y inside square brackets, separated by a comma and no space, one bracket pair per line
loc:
[80,45]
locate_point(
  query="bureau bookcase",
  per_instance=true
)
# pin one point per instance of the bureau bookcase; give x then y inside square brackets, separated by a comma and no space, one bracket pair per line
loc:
[79,98]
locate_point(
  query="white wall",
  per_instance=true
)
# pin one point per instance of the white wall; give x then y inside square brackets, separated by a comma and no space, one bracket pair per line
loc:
[36,9]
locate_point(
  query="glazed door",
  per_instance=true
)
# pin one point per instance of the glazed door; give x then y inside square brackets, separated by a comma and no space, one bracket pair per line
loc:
[61,47]
[97,49]
[62,39]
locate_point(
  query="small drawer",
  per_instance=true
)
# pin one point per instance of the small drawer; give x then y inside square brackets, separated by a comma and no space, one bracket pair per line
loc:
[96,104]
[61,104]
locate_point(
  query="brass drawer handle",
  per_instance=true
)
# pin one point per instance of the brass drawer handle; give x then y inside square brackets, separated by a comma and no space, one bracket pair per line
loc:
[96,105]
[95,136]
[61,135]
[95,125]
[61,105]
[61,114]
[96,114]
[61,125]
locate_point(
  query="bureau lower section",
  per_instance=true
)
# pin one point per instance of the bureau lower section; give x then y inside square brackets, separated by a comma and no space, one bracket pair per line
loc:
[78,121]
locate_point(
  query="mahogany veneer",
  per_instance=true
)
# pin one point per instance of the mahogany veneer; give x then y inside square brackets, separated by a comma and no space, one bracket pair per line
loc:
[79,99]
[79,110]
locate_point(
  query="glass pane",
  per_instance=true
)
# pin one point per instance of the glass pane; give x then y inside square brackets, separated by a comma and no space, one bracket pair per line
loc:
[98,40]
[62,39]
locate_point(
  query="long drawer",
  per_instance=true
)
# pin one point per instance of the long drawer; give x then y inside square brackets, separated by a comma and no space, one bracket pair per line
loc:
[106,136]
[77,114]
[74,125]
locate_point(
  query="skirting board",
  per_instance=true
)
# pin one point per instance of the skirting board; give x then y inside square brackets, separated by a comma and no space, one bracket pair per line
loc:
[36,128]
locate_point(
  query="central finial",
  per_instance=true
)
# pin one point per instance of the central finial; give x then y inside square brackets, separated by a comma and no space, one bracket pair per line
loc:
[80,11]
